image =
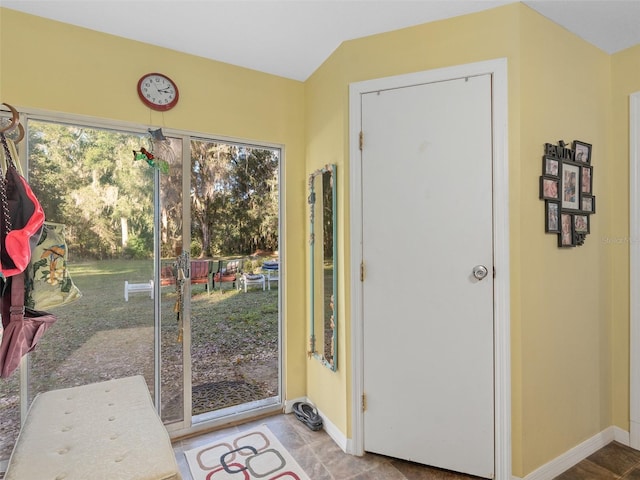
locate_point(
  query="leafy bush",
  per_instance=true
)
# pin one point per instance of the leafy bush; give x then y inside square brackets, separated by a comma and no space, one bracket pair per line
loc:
[253,265]
[196,248]
[137,249]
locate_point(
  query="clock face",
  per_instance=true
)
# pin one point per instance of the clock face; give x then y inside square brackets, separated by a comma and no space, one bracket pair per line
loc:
[158,91]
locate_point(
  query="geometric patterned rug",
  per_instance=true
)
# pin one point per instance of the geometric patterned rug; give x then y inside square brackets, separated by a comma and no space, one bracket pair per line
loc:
[247,455]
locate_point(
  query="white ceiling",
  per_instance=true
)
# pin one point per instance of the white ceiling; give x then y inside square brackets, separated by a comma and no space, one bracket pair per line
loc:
[291,38]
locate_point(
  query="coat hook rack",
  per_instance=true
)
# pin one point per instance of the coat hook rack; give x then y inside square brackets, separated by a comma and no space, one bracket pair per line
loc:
[13,125]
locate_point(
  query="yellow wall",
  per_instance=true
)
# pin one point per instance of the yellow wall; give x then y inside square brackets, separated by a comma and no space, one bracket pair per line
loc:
[327,122]
[58,67]
[625,68]
[565,302]
[559,89]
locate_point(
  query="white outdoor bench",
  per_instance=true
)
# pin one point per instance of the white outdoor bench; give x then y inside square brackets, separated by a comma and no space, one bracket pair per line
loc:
[98,431]
[247,279]
[272,276]
[137,288]
[271,270]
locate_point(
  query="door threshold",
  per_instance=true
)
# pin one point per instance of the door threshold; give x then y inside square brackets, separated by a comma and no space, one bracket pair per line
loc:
[230,416]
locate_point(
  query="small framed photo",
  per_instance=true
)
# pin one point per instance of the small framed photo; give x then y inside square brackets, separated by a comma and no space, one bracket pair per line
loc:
[552,217]
[550,167]
[566,237]
[549,188]
[586,180]
[570,193]
[588,203]
[582,151]
[581,223]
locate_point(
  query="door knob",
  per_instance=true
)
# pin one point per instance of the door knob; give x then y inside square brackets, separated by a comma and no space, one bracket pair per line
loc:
[480,271]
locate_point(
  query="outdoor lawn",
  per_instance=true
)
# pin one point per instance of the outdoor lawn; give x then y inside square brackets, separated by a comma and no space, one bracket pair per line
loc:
[234,343]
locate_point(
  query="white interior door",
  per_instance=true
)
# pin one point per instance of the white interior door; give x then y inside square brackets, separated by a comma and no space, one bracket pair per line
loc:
[428,321]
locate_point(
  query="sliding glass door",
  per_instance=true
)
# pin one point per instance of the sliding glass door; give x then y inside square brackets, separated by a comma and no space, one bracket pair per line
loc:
[105,199]
[235,356]
[137,262]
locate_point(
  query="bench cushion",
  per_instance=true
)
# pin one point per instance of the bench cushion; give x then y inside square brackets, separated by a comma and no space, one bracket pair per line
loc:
[107,430]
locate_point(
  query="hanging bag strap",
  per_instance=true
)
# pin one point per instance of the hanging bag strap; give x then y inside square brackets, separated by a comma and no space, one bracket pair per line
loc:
[13,299]
[10,153]
[5,226]
[16,310]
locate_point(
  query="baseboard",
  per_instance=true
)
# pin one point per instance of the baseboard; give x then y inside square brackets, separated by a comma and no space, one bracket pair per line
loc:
[336,435]
[621,436]
[578,453]
[288,404]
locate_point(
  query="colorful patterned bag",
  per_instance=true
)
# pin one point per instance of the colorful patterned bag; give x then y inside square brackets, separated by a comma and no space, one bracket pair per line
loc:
[49,283]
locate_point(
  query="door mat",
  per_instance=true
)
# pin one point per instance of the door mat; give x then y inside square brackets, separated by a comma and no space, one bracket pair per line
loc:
[247,455]
[218,395]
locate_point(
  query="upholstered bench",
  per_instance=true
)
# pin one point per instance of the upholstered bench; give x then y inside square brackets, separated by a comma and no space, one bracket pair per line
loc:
[107,430]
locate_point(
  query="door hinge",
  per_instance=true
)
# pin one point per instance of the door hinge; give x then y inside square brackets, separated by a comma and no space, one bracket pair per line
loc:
[494,272]
[361,140]
[364,402]
[362,271]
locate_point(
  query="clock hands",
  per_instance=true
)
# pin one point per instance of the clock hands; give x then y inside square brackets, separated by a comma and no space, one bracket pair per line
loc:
[166,89]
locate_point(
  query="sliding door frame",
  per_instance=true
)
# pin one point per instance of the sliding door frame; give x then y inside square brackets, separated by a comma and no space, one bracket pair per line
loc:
[186,426]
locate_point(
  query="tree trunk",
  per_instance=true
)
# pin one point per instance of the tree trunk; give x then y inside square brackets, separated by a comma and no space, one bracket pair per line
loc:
[206,239]
[124,225]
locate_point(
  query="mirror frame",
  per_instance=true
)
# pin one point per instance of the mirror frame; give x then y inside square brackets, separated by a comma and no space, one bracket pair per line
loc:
[329,360]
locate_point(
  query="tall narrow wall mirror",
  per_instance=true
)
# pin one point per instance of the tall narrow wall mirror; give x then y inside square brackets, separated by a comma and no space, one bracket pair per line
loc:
[323,252]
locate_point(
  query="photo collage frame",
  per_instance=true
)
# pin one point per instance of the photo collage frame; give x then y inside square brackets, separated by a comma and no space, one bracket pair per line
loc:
[566,186]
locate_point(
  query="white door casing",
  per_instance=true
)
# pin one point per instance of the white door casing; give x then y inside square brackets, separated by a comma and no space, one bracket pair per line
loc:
[497,70]
[634,269]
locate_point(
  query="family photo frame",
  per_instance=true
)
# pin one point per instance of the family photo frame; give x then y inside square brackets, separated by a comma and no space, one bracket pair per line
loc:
[570,186]
[550,166]
[588,204]
[582,152]
[552,216]
[566,186]
[550,188]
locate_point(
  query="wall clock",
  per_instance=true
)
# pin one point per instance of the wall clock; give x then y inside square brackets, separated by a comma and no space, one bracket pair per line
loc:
[158,92]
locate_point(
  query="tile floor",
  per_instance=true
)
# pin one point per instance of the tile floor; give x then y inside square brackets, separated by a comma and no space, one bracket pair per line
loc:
[322,459]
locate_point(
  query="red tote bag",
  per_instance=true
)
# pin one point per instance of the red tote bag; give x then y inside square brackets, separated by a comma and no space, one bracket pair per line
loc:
[21,217]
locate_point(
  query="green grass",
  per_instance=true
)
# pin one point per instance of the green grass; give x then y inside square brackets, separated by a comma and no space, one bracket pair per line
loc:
[100,336]
[235,321]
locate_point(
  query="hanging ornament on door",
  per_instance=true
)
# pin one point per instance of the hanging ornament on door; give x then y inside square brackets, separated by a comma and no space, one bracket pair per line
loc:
[159,154]
[181,274]
[161,146]
[152,161]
